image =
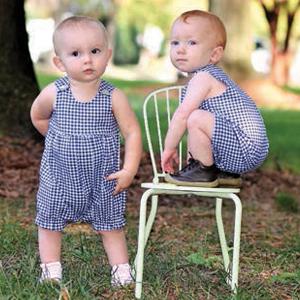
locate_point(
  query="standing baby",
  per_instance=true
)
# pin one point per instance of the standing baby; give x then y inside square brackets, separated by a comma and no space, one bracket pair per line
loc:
[81,116]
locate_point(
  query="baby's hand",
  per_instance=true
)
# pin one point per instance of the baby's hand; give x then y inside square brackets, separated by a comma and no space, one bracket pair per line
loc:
[124,179]
[168,159]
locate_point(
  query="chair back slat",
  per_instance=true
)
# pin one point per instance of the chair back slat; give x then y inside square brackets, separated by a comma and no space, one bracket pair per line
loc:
[168,107]
[180,144]
[148,135]
[158,109]
[157,118]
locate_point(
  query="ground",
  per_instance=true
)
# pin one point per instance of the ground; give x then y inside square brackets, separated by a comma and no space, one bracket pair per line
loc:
[270,241]
[266,229]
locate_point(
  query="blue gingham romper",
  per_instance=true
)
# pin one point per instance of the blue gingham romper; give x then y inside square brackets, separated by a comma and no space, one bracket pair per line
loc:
[82,147]
[239,141]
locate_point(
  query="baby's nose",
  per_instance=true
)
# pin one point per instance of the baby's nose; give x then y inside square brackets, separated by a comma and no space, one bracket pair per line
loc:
[180,48]
[87,58]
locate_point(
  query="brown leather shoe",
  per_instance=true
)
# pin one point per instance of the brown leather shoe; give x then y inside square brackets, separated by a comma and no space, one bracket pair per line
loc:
[195,174]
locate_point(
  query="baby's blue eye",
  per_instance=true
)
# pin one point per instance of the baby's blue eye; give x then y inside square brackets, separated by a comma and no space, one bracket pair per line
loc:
[191,43]
[96,50]
[75,53]
[174,43]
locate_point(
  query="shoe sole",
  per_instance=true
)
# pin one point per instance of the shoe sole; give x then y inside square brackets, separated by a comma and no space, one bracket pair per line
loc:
[169,179]
[233,182]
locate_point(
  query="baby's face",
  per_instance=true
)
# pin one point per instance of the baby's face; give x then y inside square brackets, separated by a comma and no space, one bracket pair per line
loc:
[191,44]
[82,52]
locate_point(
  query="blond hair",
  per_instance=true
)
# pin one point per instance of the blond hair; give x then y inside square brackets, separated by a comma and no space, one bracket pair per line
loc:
[76,21]
[216,26]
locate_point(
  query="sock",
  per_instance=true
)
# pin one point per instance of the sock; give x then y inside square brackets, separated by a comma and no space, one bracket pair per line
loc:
[51,271]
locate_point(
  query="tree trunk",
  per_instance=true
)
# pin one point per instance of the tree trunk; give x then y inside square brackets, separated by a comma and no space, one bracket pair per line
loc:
[18,82]
[281,55]
[280,68]
[236,18]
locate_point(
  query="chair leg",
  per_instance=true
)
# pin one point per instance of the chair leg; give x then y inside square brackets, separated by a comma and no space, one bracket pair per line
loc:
[236,247]
[139,264]
[151,217]
[150,221]
[233,281]
[222,237]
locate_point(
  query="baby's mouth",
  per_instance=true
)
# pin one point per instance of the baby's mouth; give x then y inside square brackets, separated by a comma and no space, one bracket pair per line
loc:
[88,71]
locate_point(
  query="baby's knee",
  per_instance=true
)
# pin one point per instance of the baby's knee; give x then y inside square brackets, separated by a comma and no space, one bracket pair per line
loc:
[105,233]
[192,120]
[200,119]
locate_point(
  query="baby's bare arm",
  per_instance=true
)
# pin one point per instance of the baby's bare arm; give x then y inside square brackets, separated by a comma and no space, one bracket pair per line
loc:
[198,90]
[131,132]
[42,108]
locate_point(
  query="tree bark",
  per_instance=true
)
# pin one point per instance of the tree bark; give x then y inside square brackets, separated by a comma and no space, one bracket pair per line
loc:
[281,55]
[236,18]
[18,82]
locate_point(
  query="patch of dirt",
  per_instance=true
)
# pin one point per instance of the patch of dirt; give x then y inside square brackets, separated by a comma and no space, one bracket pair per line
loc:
[20,161]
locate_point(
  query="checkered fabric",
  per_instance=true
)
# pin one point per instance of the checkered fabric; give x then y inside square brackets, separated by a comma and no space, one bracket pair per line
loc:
[82,148]
[239,141]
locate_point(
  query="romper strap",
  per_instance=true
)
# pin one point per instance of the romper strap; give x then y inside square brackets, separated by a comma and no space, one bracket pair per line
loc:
[106,88]
[62,84]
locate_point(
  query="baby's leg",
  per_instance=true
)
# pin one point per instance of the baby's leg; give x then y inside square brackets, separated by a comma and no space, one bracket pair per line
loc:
[49,245]
[115,246]
[50,251]
[200,126]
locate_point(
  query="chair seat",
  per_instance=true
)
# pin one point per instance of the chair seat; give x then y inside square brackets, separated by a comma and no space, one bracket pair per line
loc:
[172,187]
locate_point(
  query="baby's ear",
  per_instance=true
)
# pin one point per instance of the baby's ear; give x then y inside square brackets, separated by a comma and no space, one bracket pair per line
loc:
[216,54]
[58,63]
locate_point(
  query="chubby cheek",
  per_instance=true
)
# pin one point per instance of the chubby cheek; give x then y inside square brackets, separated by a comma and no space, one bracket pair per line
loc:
[172,54]
[173,59]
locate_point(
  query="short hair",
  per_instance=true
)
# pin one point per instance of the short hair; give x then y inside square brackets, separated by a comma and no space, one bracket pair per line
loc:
[214,21]
[78,20]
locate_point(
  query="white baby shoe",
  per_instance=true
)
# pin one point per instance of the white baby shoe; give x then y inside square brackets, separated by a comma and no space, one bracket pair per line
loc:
[51,272]
[121,275]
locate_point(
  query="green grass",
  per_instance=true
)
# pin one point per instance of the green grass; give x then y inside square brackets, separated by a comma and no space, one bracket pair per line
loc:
[44,79]
[182,259]
[292,89]
[283,131]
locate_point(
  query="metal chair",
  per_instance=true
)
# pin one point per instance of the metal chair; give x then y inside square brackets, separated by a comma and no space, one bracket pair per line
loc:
[158,109]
